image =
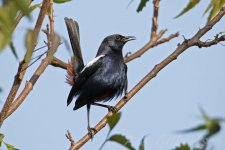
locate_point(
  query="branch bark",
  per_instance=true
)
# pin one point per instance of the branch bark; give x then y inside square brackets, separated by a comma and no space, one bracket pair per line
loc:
[154,38]
[155,19]
[180,49]
[149,45]
[22,66]
[29,84]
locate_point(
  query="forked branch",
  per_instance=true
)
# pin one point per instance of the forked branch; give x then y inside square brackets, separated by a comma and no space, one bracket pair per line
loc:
[22,66]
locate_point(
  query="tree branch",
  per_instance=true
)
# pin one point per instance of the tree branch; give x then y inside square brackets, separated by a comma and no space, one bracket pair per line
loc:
[58,63]
[29,84]
[217,39]
[51,19]
[22,66]
[155,19]
[20,15]
[155,37]
[180,49]
[149,45]
[70,138]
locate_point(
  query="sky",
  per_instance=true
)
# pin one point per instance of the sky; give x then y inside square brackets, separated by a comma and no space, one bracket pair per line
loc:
[168,103]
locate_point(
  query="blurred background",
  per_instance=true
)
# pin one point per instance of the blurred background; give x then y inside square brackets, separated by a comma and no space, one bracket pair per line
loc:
[167,104]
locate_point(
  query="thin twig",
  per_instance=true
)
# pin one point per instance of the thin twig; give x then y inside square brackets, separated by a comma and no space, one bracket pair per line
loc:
[51,19]
[29,84]
[149,45]
[180,49]
[201,44]
[23,64]
[20,15]
[155,37]
[155,20]
[58,63]
[70,138]
[47,33]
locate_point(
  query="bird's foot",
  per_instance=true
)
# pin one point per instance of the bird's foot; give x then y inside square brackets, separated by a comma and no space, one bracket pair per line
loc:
[91,132]
[125,94]
[113,109]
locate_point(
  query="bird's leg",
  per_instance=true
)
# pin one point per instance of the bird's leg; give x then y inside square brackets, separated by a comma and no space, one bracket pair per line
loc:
[110,108]
[90,130]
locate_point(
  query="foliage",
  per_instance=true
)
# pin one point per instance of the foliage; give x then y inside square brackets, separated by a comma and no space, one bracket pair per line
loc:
[8,146]
[214,7]
[183,147]
[211,125]
[142,5]
[8,12]
[113,120]
[191,4]
[61,1]
[119,138]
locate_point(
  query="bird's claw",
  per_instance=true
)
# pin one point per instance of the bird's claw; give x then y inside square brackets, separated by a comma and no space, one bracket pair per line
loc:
[125,94]
[91,132]
[113,109]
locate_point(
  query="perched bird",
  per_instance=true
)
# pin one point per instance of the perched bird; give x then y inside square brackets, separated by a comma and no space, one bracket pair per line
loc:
[103,78]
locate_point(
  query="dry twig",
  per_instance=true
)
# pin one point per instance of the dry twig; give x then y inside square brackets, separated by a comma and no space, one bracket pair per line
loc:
[70,138]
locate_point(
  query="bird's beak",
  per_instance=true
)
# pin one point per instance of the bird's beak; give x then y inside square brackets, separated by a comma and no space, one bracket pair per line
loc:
[129,38]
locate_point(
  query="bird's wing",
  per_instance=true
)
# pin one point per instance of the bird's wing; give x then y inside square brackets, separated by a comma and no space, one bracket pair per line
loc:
[126,83]
[85,73]
[73,31]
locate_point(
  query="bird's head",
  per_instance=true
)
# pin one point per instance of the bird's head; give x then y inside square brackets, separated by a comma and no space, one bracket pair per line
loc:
[117,41]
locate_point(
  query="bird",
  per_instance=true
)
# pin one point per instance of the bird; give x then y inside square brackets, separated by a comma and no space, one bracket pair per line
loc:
[103,78]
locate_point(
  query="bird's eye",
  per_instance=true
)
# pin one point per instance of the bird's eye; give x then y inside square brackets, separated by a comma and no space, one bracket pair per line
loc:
[118,38]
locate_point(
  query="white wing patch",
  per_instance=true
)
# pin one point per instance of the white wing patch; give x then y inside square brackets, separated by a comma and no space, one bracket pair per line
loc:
[93,62]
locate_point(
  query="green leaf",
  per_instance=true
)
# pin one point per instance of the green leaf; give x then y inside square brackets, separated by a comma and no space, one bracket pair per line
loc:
[200,127]
[209,7]
[113,120]
[1,138]
[122,140]
[8,13]
[23,6]
[142,144]
[213,127]
[30,42]
[183,147]
[61,1]
[13,49]
[204,115]
[10,147]
[33,7]
[191,4]
[0,92]
[141,5]
[215,7]
[4,40]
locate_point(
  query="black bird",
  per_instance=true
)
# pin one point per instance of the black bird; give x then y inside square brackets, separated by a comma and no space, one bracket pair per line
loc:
[102,79]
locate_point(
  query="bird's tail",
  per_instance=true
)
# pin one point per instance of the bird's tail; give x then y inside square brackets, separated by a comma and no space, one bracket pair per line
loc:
[74,35]
[71,95]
